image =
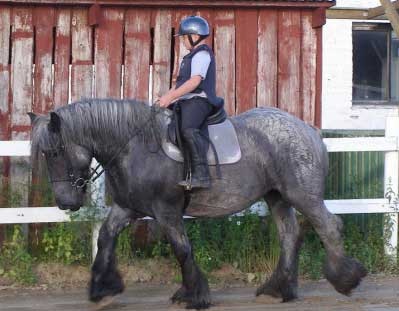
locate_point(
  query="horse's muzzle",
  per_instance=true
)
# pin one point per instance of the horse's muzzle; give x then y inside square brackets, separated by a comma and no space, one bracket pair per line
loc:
[69,207]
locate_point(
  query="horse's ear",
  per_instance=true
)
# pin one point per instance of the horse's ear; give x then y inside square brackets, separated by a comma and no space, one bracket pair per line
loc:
[32,117]
[55,122]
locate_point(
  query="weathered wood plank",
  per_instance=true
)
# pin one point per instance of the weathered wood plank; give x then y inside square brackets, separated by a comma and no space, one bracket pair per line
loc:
[309,52]
[208,14]
[21,67]
[224,45]
[82,58]
[108,54]
[162,52]
[246,59]
[5,22]
[43,20]
[289,55]
[43,88]
[319,77]
[137,53]
[21,88]
[179,49]
[62,53]
[137,63]
[267,58]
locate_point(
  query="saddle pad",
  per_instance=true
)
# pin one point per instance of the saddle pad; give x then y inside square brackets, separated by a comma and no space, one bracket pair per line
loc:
[223,137]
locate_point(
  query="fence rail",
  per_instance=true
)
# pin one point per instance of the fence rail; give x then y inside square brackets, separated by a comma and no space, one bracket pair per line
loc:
[388,205]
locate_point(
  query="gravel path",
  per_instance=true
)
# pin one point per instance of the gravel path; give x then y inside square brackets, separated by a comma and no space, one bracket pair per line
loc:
[375,293]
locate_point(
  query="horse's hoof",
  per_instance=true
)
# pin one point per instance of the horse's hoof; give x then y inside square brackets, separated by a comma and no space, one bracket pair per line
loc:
[345,274]
[107,286]
[192,302]
[267,289]
[100,295]
[279,289]
[180,296]
[103,303]
[198,305]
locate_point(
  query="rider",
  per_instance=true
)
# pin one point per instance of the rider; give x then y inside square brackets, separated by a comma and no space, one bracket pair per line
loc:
[196,94]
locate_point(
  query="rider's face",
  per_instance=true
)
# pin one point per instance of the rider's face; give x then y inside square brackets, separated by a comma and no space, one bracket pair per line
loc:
[186,42]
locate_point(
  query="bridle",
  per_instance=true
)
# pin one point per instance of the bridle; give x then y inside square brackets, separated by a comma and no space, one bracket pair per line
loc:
[76,182]
[79,182]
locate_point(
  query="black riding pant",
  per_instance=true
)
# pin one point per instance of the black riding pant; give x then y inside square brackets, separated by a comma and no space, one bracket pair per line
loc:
[194,112]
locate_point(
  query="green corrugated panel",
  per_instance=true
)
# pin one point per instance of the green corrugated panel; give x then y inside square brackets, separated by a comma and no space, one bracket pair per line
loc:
[354,175]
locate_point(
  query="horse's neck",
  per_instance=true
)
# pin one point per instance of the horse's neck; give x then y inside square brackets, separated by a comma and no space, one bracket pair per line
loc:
[104,152]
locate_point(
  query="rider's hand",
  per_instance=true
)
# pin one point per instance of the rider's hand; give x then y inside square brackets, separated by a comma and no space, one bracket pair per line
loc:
[164,101]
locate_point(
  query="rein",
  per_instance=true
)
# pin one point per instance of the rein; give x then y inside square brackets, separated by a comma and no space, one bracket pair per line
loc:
[81,182]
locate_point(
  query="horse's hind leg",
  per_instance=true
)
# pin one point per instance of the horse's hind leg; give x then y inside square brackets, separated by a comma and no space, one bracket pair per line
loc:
[344,273]
[284,280]
[195,289]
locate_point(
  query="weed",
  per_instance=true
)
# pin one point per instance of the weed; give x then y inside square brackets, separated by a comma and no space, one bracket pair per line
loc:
[15,261]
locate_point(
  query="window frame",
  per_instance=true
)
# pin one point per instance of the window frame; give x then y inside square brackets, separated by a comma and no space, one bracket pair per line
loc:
[367,26]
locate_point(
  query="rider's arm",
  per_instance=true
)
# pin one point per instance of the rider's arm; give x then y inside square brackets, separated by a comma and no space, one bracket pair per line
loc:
[187,87]
[199,68]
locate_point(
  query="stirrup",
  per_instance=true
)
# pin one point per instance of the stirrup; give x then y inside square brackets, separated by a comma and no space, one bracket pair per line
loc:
[189,185]
[186,183]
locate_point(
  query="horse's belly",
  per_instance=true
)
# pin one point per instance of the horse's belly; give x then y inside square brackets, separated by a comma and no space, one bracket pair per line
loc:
[222,199]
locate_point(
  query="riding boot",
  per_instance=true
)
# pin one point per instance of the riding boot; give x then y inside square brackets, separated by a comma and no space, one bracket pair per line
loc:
[197,146]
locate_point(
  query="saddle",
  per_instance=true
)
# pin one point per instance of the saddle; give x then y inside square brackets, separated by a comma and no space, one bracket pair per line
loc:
[221,134]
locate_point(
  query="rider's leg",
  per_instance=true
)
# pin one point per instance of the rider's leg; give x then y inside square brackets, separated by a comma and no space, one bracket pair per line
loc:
[194,113]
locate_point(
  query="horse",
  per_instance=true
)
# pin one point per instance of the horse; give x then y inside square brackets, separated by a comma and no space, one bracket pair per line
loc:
[283,160]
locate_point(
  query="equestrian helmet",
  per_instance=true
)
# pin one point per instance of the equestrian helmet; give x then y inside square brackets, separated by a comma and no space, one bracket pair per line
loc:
[194,25]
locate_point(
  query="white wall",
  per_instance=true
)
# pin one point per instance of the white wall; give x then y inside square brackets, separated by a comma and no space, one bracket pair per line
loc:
[337,110]
[357,3]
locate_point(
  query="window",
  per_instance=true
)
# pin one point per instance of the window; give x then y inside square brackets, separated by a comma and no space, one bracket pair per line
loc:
[375,64]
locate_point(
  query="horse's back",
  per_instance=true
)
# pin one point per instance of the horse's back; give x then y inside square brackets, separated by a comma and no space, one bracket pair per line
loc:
[281,128]
[294,147]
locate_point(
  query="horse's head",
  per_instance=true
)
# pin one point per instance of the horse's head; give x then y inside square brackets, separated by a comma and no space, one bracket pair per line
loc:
[68,164]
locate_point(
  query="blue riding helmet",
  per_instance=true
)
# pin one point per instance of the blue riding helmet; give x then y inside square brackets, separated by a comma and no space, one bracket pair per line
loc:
[194,25]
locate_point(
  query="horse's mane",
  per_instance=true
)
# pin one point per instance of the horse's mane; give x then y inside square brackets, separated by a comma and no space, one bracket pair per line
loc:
[109,122]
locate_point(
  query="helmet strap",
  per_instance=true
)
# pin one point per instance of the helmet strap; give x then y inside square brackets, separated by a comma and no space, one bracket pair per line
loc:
[194,43]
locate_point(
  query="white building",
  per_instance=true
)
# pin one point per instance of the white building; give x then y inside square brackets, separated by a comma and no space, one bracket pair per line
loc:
[360,71]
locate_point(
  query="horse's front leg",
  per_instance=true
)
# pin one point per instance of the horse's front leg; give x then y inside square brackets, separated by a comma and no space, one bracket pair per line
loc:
[195,289]
[105,279]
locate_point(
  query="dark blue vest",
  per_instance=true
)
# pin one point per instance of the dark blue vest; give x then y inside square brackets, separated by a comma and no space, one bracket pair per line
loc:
[208,85]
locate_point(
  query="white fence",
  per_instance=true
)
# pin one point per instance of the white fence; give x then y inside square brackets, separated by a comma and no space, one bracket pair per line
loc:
[388,205]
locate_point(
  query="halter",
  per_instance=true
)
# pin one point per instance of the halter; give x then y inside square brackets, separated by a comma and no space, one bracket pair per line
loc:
[81,182]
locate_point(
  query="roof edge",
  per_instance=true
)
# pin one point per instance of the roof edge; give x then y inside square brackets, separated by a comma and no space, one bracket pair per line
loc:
[181,3]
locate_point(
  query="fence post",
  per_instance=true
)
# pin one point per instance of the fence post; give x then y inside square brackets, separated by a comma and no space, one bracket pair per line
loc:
[98,199]
[391,185]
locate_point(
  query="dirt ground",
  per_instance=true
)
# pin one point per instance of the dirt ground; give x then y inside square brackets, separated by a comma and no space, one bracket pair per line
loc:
[375,293]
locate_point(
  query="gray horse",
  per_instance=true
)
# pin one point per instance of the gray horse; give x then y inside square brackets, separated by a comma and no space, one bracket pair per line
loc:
[283,161]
